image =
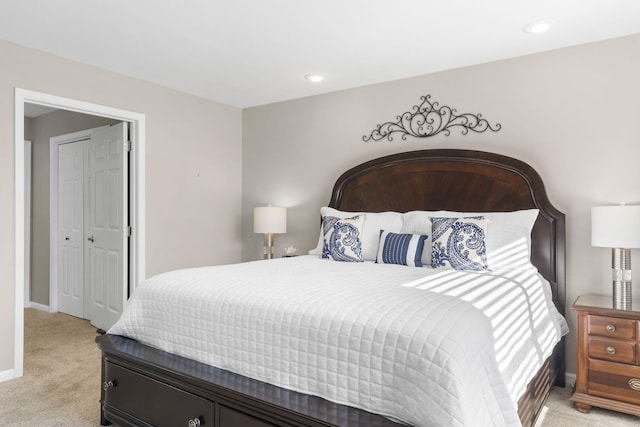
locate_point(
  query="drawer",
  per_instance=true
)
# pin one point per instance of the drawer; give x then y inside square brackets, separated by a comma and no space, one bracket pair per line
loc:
[612,327]
[614,381]
[152,401]
[612,350]
[232,418]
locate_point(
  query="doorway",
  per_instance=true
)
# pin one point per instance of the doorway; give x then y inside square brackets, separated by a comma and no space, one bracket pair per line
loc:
[136,254]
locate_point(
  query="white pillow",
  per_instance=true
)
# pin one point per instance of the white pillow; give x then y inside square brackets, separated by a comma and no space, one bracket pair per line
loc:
[373,223]
[508,235]
[419,222]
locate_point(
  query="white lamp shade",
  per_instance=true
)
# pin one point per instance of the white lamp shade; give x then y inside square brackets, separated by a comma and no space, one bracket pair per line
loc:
[615,226]
[269,219]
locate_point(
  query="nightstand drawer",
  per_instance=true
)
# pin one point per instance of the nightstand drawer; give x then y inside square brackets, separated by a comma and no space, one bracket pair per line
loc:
[612,350]
[612,327]
[614,381]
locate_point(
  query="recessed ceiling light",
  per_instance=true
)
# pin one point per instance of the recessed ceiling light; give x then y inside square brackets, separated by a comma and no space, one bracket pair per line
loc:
[315,78]
[538,26]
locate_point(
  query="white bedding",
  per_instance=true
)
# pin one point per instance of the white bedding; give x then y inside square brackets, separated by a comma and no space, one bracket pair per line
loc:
[426,347]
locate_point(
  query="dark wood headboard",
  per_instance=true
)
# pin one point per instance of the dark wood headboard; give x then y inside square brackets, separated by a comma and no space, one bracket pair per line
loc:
[460,180]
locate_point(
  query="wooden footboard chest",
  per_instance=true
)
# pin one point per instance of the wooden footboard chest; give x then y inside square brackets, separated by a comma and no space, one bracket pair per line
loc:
[142,386]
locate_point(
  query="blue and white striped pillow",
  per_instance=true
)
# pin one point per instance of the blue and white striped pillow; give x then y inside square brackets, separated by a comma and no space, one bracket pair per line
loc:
[403,249]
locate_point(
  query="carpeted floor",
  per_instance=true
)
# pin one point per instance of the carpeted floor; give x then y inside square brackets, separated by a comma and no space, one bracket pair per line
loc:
[560,412]
[61,382]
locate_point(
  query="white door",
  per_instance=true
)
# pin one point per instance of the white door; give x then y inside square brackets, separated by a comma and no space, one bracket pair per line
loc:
[106,241]
[70,229]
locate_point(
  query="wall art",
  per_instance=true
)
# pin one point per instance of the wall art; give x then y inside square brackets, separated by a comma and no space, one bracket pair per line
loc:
[429,119]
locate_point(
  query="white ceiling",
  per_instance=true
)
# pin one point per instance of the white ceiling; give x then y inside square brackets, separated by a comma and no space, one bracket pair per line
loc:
[253,52]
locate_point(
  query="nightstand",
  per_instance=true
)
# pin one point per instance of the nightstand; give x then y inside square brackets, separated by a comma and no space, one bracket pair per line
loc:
[608,355]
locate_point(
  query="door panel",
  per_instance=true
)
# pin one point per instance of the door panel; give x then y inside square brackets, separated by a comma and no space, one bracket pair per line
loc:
[107,245]
[70,229]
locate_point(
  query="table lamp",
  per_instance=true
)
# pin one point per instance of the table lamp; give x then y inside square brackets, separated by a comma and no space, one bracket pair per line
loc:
[618,228]
[269,220]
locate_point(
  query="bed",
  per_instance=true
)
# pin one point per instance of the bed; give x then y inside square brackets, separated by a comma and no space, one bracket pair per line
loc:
[153,383]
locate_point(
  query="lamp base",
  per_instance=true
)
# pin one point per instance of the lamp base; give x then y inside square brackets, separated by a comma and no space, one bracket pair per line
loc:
[621,269]
[268,246]
[622,295]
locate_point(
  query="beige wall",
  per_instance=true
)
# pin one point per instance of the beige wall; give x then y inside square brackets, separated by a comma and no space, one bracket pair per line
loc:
[572,114]
[193,154]
[28,133]
[41,129]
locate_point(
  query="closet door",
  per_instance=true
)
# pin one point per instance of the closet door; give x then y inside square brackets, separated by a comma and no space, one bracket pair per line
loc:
[70,258]
[106,228]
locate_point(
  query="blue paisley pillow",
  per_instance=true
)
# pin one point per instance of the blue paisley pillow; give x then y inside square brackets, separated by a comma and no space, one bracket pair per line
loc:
[342,238]
[459,243]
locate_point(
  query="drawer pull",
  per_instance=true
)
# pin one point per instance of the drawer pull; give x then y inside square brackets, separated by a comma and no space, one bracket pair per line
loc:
[634,384]
[107,385]
[611,328]
[611,350]
[194,422]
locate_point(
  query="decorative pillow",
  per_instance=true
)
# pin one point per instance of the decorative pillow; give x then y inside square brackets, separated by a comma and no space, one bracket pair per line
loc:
[342,238]
[403,249]
[459,243]
[373,223]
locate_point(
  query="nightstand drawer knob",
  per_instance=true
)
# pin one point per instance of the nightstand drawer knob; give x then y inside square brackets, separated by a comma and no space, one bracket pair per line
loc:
[194,422]
[611,350]
[611,328]
[634,384]
[107,385]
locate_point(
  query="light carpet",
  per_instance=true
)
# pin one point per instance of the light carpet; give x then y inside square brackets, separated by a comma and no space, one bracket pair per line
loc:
[61,382]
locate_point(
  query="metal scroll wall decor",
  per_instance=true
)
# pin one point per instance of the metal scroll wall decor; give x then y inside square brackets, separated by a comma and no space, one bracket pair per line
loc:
[429,119]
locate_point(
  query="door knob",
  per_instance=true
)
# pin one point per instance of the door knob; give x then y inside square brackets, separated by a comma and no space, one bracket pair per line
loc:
[90,238]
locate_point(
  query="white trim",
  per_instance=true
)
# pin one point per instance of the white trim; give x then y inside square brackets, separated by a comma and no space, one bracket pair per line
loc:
[7,375]
[18,229]
[27,223]
[569,379]
[40,307]
[137,206]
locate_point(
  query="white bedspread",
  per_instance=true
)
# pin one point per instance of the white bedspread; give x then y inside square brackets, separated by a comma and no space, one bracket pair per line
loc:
[426,347]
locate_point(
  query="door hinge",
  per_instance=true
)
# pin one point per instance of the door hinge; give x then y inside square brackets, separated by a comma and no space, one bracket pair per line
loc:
[127,145]
[128,231]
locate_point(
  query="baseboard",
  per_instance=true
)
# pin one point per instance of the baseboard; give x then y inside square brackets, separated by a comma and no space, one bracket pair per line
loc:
[39,306]
[569,379]
[7,375]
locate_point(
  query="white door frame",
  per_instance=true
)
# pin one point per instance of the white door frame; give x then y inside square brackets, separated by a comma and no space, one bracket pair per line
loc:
[137,196]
